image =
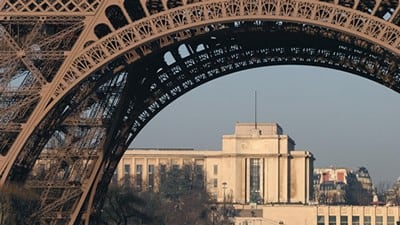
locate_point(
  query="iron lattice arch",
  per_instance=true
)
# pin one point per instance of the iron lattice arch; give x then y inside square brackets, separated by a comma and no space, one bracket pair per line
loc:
[80,79]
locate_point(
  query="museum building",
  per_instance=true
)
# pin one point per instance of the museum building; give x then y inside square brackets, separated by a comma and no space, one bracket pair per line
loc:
[257,164]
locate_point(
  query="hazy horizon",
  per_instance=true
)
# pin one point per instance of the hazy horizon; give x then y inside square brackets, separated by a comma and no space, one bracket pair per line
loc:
[343,119]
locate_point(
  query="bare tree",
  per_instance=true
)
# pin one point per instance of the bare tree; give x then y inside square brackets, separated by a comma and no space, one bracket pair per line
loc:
[123,206]
[381,190]
[16,205]
[356,194]
[180,198]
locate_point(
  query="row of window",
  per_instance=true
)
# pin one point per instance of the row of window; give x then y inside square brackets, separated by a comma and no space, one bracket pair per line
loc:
[139,168]
[355,220]
[198,170]
[254,174]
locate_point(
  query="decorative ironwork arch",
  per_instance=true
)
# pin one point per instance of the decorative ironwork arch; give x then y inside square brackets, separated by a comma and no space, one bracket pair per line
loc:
[133,36]
[115,76]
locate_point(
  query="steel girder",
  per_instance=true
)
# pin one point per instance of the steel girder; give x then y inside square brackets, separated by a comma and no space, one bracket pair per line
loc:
[80,79]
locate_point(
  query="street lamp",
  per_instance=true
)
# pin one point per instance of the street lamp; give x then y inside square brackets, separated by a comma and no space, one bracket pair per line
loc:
[224,187]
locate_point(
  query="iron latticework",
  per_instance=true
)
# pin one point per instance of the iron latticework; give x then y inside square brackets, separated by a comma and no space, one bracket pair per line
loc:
[80,78]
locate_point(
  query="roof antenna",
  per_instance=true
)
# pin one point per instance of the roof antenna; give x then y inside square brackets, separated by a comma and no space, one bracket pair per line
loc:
[255,110]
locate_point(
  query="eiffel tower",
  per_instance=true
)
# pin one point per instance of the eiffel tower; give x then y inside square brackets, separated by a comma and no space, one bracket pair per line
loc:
[79,79]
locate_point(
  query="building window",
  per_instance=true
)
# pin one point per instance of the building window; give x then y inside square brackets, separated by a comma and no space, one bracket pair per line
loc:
[139,177]
[215,182]
[379,220]
[151,169]
[215,169]
[163,173]
[332,220]
[355,220]
[151,177]
[127,170]
[320,220]
[127,175]
[390,220]
[255,180]
[187,173]
[199,176]
[367,220]
[138,169]
[175,167]
[343,220]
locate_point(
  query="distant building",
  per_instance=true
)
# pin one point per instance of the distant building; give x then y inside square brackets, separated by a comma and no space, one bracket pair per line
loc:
[364,178]
[334,185]
[256,164]
[329,185]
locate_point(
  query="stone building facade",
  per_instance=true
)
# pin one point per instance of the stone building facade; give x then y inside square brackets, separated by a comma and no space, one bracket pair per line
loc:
[258,164]
[323,215]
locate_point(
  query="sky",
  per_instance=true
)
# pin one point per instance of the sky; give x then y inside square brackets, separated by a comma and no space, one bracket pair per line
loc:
[343,119]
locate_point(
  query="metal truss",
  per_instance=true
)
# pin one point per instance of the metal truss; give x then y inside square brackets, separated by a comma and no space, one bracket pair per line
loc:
[80,79]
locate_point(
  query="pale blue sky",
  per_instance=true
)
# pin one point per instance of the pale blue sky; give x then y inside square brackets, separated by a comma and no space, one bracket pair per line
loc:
[343,119]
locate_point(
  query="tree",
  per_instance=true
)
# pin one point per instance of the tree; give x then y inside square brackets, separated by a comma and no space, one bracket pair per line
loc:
[180,198]
[390,195]
[396,190]
[17,205]
[190,208]
[381,190]
[123,206]
[183,196]
[355,193]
